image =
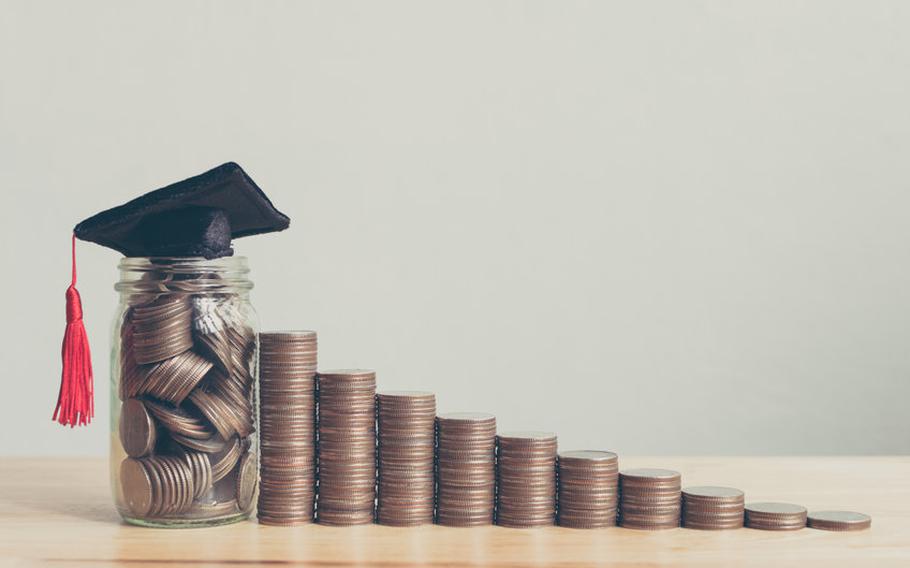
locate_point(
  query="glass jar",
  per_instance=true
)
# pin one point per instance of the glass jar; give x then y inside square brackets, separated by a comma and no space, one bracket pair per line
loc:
[183,392]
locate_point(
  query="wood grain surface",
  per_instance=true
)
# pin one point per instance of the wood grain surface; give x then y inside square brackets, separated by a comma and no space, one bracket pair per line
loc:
[58,512]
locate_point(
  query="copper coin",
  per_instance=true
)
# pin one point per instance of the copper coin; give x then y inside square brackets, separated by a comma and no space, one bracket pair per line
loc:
[712,492]
[137,487]
[137,429]
[246,481]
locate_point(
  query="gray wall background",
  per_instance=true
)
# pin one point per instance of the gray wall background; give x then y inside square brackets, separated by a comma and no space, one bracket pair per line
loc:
[656,227]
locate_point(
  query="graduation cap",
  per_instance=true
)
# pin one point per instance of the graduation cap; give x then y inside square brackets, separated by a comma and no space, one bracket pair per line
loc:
[196,217]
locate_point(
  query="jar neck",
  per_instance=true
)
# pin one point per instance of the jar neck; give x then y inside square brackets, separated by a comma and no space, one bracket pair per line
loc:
[184,275]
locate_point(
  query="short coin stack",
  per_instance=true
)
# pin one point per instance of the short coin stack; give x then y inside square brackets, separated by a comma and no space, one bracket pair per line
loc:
[712,508]
[526,479]
[775,516]
[649,498]
[839,521]
[465,468]
[287,394]
[406,435]
[346,447]
[588,492]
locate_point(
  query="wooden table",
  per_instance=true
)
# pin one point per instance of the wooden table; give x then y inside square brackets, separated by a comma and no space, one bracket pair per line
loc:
[58,512]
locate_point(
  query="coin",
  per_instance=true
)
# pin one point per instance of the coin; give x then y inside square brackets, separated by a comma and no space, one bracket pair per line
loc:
[137,487]
[839,520]
[246,481]
[137,430]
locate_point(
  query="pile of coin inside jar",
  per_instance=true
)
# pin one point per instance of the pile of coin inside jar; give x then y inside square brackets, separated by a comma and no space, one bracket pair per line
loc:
[187,418]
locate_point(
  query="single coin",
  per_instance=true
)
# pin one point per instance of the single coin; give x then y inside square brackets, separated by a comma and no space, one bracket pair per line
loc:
[137,487]
[771,508]
[246,481]
[712,492]
[523,435]
[137,429]
[649,474]
[588,455]
[466,417]
[839,520]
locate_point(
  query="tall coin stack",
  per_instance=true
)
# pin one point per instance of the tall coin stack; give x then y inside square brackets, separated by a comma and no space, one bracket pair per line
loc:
[776,516]
[346,447]
[526,479]
[649,498]
[406,435]
[287,394]
[587,482]
[465,468]
[712,508]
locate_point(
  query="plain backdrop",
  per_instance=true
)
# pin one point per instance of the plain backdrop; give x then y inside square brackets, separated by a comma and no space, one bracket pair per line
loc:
[676,227]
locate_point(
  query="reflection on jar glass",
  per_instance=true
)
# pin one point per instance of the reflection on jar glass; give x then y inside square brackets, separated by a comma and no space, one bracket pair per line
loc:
[183,392]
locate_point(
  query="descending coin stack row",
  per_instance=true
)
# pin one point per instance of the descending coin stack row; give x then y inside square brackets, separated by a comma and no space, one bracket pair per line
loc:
[186,383]
[649,498]
[346,447]
[526,479]
[712,508]
[775,516]
[287,423]
[465,468]
[406,444]
[588,489]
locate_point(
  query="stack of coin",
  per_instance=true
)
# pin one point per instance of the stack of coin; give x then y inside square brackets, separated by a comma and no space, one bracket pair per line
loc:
[526,479]
[287,427]
[775,516]
[157,486]
[712,508]
[346,448]
[465,469]
[649,498]
[162,329]
[839,521]
[406,424]
[588,489]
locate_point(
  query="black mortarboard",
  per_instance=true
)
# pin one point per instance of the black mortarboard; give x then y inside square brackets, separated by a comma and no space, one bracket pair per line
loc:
[195,217]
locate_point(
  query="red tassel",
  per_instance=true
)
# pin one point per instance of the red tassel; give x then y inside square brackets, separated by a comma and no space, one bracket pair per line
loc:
[75,403]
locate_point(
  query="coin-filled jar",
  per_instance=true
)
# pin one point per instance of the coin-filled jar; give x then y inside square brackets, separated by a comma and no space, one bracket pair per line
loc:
[183,392]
